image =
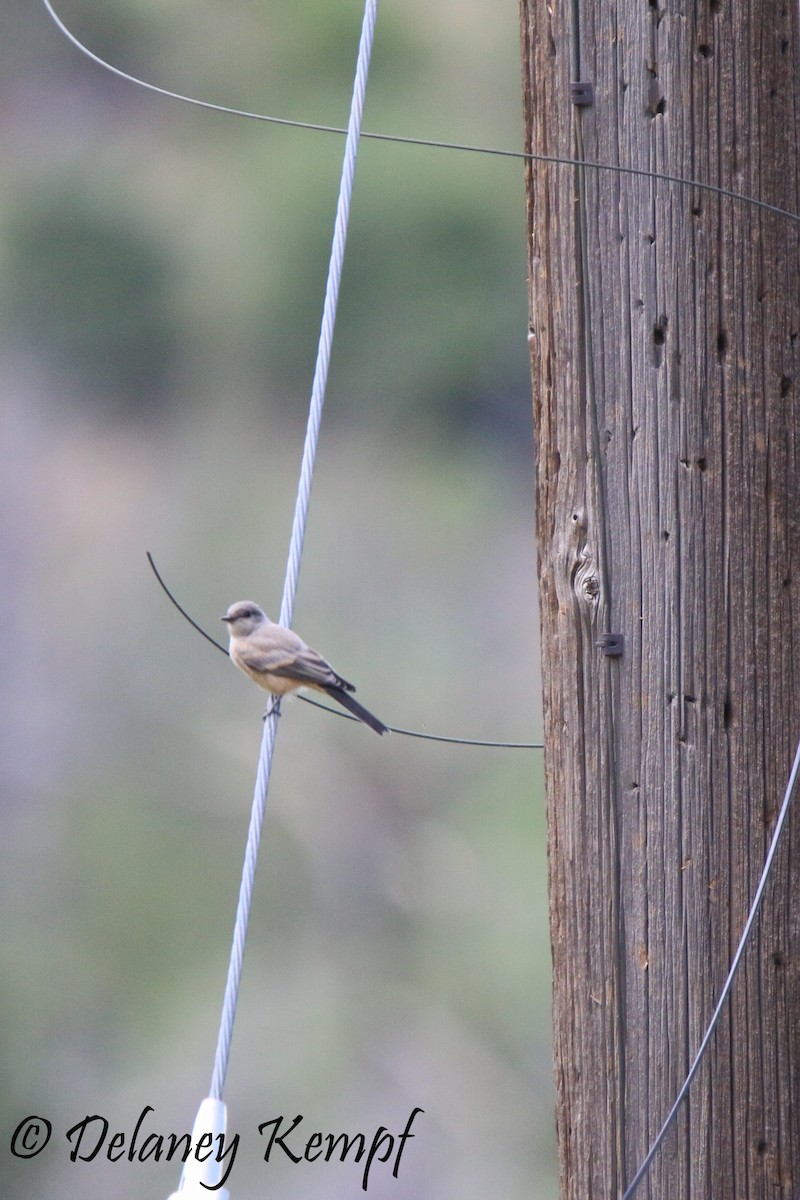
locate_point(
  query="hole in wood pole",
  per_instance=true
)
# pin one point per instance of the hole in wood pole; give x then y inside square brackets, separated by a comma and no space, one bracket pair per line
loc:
[722,343]
[701,464]
[786,385]
[659,338]
[779,958]
[704,50]
[727,713]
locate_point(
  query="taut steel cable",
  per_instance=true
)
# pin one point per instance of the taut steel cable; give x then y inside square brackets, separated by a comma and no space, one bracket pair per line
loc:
[222,1055]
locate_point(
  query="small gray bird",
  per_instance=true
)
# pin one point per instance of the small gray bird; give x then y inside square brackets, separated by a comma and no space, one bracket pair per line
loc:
[278,660]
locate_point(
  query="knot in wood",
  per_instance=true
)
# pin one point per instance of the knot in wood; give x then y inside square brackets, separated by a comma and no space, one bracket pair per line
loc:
[585,579]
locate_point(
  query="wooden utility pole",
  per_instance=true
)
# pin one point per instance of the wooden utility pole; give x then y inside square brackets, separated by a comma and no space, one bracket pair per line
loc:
[665,344]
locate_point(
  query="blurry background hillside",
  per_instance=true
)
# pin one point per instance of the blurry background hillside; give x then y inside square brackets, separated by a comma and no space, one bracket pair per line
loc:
[161,280]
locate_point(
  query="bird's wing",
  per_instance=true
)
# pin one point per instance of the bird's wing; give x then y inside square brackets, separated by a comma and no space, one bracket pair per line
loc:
[290,658]
[309,667]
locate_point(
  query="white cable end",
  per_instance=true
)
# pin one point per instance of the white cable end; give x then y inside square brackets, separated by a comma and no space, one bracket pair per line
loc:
[198,1178]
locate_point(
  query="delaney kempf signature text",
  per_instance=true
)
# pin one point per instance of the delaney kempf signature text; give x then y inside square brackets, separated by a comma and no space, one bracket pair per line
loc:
[92,1137]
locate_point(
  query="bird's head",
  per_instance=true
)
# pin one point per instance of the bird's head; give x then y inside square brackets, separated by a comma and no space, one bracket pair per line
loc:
[243,617]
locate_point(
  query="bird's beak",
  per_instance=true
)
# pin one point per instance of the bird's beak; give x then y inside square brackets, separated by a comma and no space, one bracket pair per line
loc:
[225,619]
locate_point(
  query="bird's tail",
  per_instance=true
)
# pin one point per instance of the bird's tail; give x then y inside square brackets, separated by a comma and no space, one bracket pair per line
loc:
[346,700]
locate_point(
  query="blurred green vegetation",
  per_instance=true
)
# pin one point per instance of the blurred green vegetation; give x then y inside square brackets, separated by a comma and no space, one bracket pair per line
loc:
[87,294]
[161,280]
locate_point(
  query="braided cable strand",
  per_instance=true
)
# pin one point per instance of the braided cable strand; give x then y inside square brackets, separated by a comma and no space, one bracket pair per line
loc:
[328,313]
[228,1016]
[230,1001]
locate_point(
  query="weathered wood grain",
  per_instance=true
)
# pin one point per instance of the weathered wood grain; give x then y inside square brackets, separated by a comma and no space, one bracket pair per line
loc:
[665,349]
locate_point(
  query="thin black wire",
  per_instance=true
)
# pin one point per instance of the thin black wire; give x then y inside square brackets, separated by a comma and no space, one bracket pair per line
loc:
[414,733]
[182,610]
[528,156]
